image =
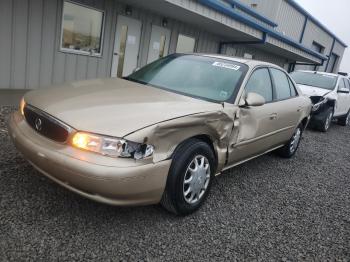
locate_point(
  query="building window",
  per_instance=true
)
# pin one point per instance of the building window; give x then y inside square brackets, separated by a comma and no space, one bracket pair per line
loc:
[317,47]
[82,29]
[185,44]
[333,60]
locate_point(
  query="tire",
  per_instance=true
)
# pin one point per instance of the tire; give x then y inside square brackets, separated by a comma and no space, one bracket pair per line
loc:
[324,124]
[345,120]
[289,149]
[192,154]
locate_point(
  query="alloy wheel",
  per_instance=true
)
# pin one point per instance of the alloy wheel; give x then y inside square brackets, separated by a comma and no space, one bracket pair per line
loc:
[328,121]
[295,140]
[196,179]
[347,119]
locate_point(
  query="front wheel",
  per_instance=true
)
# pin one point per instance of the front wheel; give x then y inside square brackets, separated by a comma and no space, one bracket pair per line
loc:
[289,149]
[190,177]
[324,124]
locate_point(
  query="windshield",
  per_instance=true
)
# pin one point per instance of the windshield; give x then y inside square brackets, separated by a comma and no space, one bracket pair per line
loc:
[203,77]
[317,80]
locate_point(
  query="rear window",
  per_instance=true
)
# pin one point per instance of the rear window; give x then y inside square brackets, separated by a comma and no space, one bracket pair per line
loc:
[315,79]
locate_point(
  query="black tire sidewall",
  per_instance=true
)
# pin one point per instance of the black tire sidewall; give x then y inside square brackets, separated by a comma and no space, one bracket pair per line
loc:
[342,120]
[182,158]
[290,141]
[324,122]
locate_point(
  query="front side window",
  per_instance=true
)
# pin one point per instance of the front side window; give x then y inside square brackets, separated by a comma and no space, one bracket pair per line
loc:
[314,79]
[204,77]
[81,29]
[260,83]
[341,84]
[280,79]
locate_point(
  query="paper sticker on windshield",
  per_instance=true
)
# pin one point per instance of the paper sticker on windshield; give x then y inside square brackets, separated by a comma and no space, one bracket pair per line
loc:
[227,65]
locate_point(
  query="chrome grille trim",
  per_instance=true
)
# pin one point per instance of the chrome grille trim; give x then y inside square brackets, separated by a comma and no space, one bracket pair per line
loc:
[52,119]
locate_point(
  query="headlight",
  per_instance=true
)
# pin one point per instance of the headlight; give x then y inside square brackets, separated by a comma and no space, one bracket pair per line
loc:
[316,106]
[22,104]
[111,146]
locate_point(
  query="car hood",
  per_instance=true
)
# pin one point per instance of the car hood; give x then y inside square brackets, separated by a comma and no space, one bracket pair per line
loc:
[114,107]
[313,91]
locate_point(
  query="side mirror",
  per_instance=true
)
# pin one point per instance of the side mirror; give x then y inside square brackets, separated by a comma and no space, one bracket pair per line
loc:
[254,99]
[343,90]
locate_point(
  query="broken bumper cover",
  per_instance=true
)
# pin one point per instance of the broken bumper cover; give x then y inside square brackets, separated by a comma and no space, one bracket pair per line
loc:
[319,109]
[319,104]
[104,179]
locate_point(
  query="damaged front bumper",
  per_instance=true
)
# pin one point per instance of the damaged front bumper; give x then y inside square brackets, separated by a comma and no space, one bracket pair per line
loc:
[320,104]
[103,179]
[319,109]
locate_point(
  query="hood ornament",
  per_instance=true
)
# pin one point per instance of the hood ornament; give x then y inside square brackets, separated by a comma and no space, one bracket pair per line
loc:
[38,124]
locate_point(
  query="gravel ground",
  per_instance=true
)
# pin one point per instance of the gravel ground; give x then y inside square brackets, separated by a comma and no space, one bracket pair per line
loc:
[267,209]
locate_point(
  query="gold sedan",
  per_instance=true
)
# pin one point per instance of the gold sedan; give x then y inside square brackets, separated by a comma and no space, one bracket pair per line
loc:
[162,133]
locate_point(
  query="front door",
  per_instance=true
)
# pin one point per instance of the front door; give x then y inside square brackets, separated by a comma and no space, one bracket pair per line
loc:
[255,124]
[159,44]
[126,46]
[342,105]
[265,127]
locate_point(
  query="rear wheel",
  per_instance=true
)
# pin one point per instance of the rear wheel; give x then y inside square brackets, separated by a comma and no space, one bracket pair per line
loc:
[190,177]
[345,120]
[289,149]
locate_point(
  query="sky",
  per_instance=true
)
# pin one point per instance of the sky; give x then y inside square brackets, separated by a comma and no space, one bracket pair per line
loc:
[335,16]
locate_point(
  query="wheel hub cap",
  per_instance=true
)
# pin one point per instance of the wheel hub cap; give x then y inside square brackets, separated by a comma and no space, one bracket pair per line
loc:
[196,179]
[295,140]
[328,120]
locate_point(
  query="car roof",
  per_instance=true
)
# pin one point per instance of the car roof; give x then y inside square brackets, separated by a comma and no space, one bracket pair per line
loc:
[249,62]
[317,72]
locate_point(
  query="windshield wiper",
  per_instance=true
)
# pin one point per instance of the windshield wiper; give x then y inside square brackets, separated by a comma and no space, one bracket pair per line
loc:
[135,80]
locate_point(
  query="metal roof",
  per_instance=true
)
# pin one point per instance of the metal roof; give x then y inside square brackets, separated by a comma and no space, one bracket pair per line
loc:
[220,7]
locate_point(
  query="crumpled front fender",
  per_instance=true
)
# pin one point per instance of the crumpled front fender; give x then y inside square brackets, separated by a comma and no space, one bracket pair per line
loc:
[166,136]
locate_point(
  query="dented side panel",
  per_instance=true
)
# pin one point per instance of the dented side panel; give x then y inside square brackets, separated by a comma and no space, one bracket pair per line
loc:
[168,135]
[265,127]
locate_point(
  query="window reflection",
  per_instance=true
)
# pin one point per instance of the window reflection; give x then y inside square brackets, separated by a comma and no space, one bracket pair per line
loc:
[82,29]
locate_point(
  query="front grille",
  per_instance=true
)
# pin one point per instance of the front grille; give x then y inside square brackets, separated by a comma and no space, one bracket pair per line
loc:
[45,124]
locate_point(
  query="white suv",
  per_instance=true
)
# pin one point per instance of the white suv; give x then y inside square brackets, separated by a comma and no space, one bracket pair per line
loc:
[330,94]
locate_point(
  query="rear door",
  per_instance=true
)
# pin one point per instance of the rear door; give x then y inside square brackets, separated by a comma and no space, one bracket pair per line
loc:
[288,104]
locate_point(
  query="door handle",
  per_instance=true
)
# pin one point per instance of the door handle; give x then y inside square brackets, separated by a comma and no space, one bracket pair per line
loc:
[273,116]
[299,109]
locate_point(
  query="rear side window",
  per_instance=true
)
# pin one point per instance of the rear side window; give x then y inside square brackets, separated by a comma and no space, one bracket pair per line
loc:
[260,83]
[283,91]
